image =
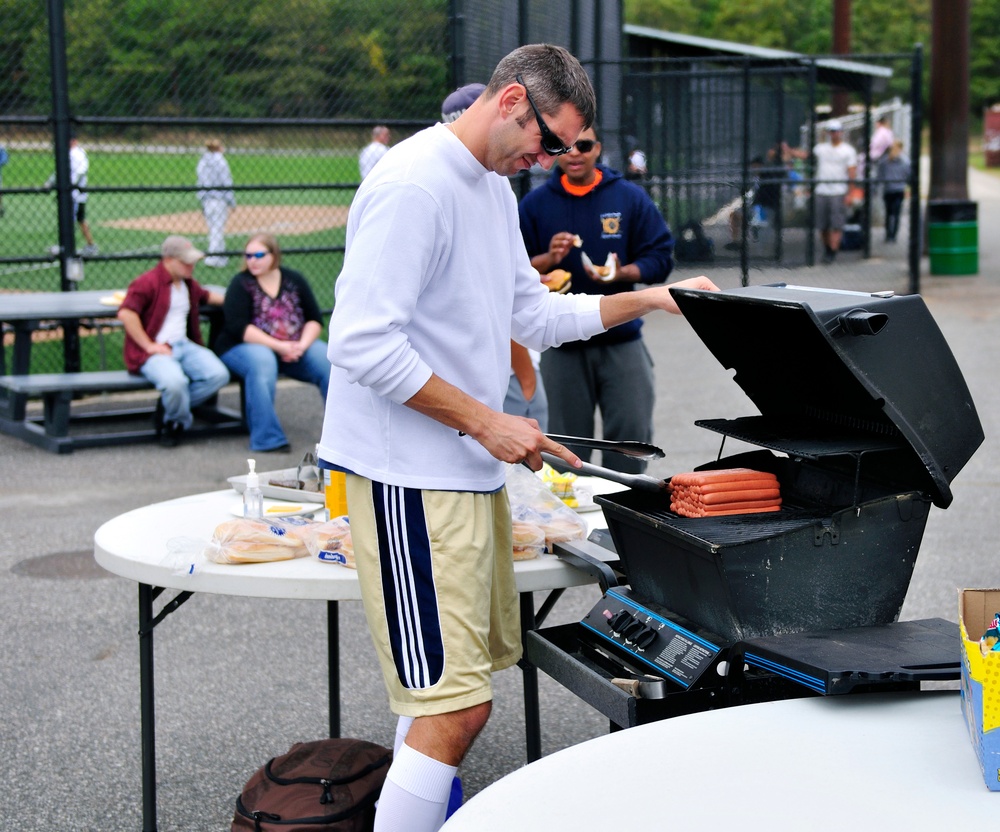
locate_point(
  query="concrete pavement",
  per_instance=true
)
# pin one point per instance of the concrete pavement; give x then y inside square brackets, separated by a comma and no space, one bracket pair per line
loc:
[239,680]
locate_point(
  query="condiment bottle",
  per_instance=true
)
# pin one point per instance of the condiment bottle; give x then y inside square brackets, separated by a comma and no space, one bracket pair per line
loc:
[253,498]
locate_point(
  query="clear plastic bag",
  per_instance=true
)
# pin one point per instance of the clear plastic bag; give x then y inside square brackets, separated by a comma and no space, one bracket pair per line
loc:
[535,509]
[244,540]
[330,542]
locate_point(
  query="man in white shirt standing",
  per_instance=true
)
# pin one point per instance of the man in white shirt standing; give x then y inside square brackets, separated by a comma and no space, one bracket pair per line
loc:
[435,283]
[836,170]
[375,150]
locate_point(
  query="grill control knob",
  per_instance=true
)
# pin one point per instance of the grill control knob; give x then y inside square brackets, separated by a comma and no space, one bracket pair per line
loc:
[631,630]
[645,638]
[620,620]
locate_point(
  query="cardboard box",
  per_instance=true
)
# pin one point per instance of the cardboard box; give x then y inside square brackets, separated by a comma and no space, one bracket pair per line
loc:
[981,679]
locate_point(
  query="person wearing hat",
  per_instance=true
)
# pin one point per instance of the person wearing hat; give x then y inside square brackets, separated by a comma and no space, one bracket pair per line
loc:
[160,314]
[459,101]
[836,170]
[375,150]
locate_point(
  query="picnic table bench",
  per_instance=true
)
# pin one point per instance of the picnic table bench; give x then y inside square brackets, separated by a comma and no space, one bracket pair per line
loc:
[58,391]
[24,313]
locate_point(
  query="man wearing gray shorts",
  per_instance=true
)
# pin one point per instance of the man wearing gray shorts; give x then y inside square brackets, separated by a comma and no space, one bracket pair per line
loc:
[836,167]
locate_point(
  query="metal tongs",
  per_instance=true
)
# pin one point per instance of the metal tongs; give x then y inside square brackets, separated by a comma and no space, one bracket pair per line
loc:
[628,447]
[636,450]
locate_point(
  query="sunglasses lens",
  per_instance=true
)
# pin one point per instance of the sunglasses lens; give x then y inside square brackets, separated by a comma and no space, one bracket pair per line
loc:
[553,146]
[585,145]
[256,255]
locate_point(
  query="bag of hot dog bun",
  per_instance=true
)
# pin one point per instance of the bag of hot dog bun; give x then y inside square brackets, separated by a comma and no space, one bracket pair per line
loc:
[243,540]
[540,519]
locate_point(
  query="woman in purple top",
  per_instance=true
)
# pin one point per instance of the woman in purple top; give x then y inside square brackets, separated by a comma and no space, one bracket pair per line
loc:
[273,324]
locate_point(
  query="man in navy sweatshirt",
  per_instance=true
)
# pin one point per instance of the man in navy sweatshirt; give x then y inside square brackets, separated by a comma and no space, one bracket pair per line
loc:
[589,212]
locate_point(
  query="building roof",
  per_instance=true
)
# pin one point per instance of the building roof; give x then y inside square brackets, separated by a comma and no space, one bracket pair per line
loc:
[834,71]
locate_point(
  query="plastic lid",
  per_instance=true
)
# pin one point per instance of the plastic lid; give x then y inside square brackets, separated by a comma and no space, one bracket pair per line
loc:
[253,481]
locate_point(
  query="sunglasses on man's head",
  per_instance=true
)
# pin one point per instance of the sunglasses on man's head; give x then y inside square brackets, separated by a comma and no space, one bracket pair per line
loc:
[551,143]
[256,255]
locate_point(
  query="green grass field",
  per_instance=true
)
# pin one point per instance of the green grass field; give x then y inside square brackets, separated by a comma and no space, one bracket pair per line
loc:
[29,225]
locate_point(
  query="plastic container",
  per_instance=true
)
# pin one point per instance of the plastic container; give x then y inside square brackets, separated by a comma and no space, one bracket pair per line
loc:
[253,497]
[335,488]
[953,236]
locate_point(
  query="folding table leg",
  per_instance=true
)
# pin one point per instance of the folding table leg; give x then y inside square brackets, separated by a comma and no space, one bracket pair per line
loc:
[333,665]
[532,720]
[146,708]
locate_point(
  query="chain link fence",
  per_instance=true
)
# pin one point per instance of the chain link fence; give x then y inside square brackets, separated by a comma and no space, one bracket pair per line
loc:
[292,95]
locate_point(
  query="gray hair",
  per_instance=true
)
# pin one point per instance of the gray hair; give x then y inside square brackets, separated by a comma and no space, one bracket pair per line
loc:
[552,75]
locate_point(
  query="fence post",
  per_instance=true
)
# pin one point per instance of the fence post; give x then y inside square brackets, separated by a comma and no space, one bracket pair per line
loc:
[64,187]
[916,120]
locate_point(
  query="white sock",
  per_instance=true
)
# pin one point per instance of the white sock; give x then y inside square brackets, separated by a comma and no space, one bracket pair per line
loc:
[415,795]
[402,729]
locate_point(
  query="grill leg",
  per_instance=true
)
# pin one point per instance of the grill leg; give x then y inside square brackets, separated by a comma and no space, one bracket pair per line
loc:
[532,721]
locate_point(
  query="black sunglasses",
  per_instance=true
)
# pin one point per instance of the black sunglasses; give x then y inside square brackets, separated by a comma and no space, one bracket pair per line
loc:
[585,145]
[256,255]
[551,143]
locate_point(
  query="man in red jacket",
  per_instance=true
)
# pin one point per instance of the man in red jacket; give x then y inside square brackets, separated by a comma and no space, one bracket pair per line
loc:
[163,343]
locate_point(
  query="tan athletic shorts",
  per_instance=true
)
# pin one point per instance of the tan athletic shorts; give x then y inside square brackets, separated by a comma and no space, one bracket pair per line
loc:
[437,579]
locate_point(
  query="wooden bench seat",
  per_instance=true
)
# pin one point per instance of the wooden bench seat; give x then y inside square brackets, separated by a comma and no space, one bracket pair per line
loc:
[57,392]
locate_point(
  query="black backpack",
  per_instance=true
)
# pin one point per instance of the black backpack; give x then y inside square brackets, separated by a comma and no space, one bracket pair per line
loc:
[322,786]
[693,245]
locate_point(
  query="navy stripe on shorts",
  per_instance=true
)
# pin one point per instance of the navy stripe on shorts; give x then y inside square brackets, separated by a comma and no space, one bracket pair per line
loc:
[411,607]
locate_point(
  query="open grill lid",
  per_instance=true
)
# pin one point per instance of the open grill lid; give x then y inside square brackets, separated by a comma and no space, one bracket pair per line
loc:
[836,373]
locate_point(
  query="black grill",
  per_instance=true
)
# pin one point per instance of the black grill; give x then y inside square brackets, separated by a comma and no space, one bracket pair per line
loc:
[864,426]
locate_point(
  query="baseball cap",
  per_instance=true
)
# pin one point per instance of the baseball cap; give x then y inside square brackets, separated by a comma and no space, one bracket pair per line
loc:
[834,124]
[459,101]
[182,249]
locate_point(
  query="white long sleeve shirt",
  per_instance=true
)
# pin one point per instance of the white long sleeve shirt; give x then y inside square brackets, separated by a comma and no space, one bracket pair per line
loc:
[435,280]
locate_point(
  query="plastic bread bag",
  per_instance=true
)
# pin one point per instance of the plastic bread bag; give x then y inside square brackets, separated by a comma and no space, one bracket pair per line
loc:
[330,542]
[532,503]
[243,540]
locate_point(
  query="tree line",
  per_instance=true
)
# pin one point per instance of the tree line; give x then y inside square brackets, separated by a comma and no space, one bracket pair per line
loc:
[806,26]
[255,59]
[365,60]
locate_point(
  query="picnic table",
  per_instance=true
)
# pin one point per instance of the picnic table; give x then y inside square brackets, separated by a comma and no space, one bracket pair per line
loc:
[27,312]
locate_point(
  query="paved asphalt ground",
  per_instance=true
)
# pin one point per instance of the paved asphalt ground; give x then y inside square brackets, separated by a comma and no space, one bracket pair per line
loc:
[239,680]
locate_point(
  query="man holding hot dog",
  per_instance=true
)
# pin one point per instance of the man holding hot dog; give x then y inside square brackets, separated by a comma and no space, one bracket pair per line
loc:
[434,285]
[585,213]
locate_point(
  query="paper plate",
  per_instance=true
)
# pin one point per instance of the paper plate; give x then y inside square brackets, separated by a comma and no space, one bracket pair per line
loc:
[278,508]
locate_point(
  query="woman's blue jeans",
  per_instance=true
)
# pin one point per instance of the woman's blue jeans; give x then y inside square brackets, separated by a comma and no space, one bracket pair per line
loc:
[259,367]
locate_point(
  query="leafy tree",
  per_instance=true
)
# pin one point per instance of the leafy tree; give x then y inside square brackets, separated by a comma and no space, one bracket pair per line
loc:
[984,69]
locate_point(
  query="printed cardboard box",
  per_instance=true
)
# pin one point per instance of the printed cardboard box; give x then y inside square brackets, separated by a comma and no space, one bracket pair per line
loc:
[981,679]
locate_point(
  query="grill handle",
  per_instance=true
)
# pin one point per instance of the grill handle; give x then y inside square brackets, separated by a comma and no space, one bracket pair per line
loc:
[641,482]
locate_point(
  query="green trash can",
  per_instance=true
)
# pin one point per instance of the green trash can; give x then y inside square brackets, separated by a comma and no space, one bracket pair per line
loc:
[953,236]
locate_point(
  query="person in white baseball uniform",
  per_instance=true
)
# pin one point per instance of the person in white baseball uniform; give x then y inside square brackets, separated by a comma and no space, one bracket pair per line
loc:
[215,184]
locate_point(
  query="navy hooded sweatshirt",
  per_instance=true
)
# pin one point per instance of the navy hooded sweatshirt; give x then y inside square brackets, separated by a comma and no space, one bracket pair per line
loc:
[617,216]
